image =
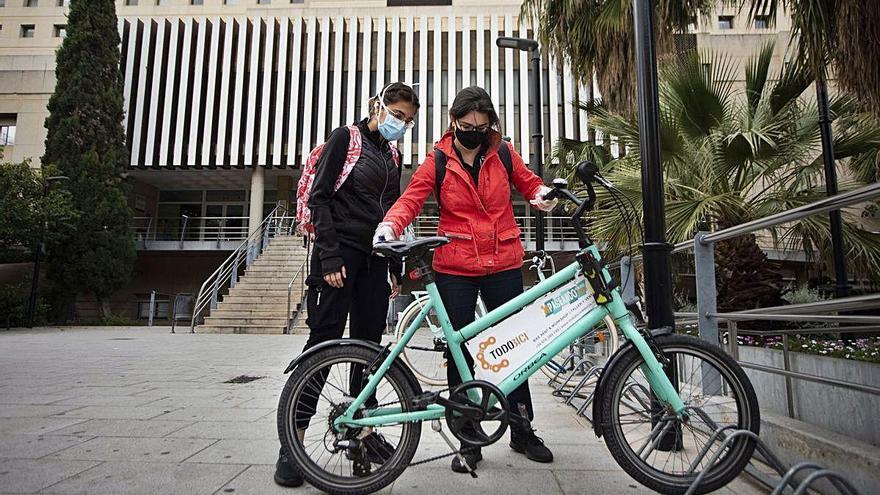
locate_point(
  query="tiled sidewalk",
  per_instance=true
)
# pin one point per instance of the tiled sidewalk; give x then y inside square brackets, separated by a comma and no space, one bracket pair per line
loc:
[138,410]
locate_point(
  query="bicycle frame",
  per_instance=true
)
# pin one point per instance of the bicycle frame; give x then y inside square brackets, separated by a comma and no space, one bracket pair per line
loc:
[660,383]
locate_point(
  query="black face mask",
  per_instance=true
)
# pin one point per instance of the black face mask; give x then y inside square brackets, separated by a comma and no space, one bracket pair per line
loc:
[471,139]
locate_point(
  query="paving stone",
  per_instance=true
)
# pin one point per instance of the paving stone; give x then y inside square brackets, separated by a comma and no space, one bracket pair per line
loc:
[33,399]
[118,412]
[134,449]
[229,429]
[123,428]
[30,476]
[35,426]
[442,481]
[29,411]
[36,446]
[598,483]
[215,414]
[257,480]
[239,451]
[136,478]
[98,399]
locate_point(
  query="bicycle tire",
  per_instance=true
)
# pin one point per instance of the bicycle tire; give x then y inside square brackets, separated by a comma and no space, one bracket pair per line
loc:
[729,465]
[409,314]
[317,476]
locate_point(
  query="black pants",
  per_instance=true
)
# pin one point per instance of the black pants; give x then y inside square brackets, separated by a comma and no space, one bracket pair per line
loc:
[459,296]
[362,299]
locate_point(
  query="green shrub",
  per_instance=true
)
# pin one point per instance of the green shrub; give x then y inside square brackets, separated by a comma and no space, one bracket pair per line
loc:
[14,300]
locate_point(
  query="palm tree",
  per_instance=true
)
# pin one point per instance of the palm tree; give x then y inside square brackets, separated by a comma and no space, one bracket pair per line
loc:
[731,156]
[596,37]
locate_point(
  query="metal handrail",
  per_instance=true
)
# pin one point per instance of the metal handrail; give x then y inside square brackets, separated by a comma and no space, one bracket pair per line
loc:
[228,270]
[296,275]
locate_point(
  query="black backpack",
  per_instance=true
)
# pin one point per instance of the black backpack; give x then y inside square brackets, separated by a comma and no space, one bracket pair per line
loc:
[440,164]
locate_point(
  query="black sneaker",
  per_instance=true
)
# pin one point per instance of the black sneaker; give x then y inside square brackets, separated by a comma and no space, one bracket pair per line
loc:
[472,455]
[285,473]
[526,442]
[378,449]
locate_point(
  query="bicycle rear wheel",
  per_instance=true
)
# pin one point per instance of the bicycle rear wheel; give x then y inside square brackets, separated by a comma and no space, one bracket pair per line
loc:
[424,352]
[356,461]
[658,449]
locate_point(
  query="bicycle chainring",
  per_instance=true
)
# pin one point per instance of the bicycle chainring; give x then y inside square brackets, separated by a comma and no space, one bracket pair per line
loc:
[470,409]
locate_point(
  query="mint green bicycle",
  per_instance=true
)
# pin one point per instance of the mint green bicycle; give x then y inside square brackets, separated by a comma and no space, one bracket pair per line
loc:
[351,412]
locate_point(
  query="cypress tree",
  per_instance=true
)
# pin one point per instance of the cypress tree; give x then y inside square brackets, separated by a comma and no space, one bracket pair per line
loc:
[95,253]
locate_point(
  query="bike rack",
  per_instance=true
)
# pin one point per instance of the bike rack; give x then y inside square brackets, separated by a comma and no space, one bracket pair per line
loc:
[786,483]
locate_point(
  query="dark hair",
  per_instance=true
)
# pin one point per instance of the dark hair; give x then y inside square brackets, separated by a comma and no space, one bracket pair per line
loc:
[474,99]
[395,92]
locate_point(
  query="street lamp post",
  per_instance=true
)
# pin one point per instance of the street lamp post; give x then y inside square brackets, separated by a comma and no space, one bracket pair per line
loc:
[32,303]
[535,117]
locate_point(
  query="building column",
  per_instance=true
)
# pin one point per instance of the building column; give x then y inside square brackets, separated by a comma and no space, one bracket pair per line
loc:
[256,202]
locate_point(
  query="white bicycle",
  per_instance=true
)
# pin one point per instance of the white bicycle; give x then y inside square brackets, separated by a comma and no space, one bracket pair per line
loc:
[425,352]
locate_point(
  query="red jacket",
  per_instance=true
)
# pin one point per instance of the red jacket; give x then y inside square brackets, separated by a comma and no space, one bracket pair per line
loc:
[478,221]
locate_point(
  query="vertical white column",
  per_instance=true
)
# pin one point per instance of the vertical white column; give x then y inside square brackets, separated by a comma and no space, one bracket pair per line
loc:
[438,78]
[352,70]
[509,108]
[395,50]
[366,64]
[465,51]
[169,93]
[265,106]
[494,87]
[234,145]
[524,131]
[553,103]
[278,139]
[184,89]
[321,129]
[338,64]
[140,95]
[194,130]
[480,52]
[295,110]
[568,95]
[255,209]
[309,88]
[250,125]
[582,114]
[451,65]
[129,64]
[380,54]
[423,86]
[211,92]
[408,77]
[153,111]
[597,95]
[223,110]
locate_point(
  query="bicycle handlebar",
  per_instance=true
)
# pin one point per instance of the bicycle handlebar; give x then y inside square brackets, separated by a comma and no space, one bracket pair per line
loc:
[587,172]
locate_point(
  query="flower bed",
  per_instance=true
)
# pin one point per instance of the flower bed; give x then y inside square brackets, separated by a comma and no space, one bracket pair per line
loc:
[859,349]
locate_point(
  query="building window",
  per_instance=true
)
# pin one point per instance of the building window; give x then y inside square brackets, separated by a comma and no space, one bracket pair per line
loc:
[161,2]
[264,2]
[2,3]
[725,22]
[27,30]
[196,2]
[30,3]
[131,3]
[7,130]
[60,31]
[230,2]
[64,3]
[762,22]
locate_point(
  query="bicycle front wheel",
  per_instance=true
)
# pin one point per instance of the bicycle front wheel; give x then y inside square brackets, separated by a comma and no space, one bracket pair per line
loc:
[662,451]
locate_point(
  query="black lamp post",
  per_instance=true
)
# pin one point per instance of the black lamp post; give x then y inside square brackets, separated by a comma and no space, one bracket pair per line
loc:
[32,303]
[535,117]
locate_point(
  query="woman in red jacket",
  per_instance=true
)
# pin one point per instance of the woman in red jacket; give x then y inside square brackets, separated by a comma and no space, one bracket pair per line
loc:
[476,213]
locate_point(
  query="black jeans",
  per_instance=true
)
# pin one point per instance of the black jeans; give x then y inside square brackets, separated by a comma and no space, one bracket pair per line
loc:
[459,294]
[362,299]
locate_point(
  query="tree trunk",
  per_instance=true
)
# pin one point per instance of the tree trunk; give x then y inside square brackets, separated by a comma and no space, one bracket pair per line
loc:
[104,303]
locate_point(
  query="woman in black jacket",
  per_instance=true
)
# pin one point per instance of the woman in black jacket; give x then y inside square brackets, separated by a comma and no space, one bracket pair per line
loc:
[345,280]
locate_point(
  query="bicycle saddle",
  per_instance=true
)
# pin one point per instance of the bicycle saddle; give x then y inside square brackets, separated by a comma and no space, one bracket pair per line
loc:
[404,249]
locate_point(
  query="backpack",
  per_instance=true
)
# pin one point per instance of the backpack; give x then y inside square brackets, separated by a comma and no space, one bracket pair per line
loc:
[440,164]
[304,223]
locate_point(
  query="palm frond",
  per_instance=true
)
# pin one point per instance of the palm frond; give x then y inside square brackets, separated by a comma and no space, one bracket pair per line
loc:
[757,69]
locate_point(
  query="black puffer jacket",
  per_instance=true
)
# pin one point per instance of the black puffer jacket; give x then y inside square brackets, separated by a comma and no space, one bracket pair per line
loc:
[350,215]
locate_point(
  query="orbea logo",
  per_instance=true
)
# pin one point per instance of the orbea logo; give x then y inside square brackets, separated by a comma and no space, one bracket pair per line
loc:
[555,305]
[499,351]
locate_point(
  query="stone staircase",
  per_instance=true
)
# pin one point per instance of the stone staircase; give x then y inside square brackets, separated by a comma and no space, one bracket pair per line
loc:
[258,302]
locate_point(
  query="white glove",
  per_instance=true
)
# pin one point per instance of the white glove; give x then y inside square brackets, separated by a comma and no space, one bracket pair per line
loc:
[540,203]
[384,233]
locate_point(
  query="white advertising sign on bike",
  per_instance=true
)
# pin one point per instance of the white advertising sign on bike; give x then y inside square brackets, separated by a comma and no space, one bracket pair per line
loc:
[512,343]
